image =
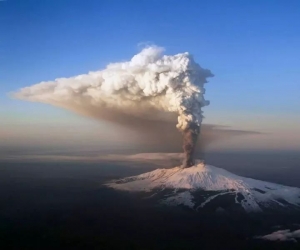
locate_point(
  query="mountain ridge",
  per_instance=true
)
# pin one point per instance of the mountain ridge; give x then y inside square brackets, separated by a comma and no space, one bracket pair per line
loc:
[250,194]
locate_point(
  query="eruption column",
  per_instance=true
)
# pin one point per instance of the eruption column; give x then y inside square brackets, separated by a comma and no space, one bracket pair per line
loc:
[190,136]
[147,85]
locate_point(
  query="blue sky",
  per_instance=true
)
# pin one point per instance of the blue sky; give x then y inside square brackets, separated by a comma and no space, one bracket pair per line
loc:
[252,47]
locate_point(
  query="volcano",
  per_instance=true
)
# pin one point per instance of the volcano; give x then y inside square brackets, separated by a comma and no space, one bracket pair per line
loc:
[207,187]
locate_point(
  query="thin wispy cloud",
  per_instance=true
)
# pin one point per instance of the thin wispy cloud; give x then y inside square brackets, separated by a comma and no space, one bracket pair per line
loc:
[282,235]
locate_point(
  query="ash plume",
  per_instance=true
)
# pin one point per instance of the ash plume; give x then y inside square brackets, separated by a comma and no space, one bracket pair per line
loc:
[190,136]
[148,86]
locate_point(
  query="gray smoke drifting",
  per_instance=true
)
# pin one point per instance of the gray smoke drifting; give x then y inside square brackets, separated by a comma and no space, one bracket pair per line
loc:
[148,86]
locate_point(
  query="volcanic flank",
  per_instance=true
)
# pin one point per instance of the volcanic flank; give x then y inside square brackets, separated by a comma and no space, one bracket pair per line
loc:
[147,85]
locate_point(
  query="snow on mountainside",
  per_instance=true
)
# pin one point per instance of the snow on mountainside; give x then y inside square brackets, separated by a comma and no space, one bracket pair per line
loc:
[252,195]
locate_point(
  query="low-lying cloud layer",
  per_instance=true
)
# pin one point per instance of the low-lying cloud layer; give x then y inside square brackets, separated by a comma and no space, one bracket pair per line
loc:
[282,235]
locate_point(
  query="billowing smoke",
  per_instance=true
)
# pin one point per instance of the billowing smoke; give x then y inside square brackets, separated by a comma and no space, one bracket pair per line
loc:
[148,85]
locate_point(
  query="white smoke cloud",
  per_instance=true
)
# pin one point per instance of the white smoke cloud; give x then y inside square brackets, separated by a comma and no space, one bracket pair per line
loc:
[149,82]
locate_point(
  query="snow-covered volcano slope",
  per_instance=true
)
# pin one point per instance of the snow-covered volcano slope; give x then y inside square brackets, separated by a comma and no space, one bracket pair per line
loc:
[252,195]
